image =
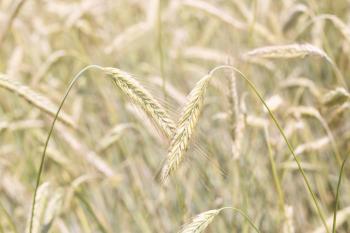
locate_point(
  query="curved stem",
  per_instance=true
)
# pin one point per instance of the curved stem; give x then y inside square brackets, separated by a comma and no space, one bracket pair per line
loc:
[275,173]
[252,86]
[337,195]
[40,171]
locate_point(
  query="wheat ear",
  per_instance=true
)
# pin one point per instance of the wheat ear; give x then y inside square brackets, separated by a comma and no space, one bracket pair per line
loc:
[337,197]
[171,158]
[287,51]
[129,86]
[185,127]
[201,221]
[42,160]
[295,51]
[37,100]
[142,98]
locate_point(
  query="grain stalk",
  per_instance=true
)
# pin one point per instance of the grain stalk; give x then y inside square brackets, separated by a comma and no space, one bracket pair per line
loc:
[189,119]
[131,88]
[275,173]
[41,166]
[337,195]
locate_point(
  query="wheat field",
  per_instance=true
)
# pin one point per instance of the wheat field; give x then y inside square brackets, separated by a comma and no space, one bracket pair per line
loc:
[174,116]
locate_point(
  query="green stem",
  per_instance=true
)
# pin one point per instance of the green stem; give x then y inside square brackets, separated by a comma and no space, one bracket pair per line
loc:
[337,195]
[40,171]
[274,173]
[301,170]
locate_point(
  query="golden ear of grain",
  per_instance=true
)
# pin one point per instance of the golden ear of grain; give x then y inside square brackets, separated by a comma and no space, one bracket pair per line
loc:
[36,99]
[294,51]
[200,222]
[337,96]
[287,51]
[185,127]
[143,99]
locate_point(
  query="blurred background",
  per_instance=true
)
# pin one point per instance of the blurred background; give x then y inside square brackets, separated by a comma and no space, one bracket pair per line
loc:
[104,157]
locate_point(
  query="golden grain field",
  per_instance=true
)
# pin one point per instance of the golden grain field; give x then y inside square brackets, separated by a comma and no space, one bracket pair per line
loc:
[174,116]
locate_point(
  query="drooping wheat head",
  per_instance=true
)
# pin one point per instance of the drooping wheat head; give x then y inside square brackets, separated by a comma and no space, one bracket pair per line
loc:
[143,99]
[185,127]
